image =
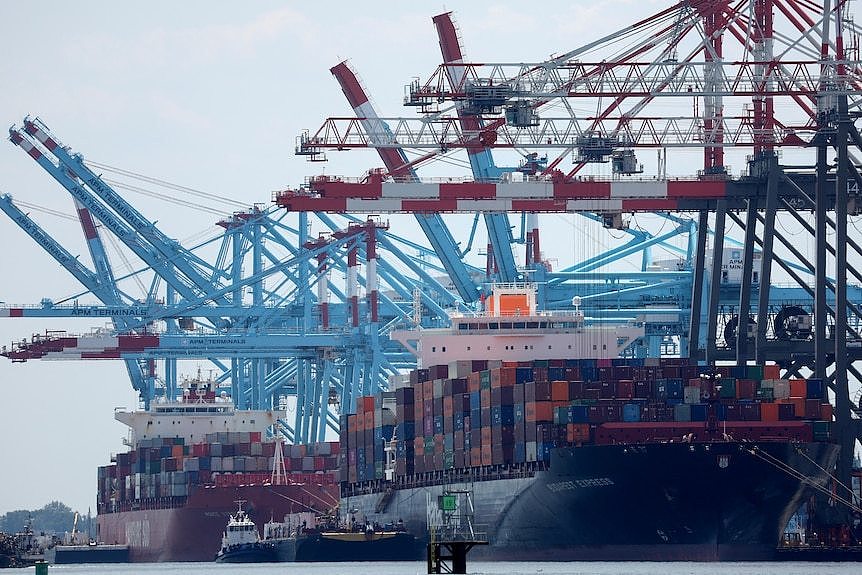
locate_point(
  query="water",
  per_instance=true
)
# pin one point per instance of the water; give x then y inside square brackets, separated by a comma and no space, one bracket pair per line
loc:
[475,568]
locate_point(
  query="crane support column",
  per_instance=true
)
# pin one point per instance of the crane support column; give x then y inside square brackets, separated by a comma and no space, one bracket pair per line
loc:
[698,266]
[745,284]
[820,288]
[353,285]
[715,282]
[371,271]
[323,290]
[846,436]
[766,261]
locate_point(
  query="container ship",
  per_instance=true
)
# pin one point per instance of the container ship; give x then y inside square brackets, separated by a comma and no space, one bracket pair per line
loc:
[592,458]
[169,497]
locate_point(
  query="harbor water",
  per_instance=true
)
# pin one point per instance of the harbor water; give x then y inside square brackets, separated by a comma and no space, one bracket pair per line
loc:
[477,568]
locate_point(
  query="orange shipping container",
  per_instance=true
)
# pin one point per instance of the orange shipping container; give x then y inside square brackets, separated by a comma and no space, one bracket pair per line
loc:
[474,381]
[560,391]
[367,403]
[578,432]
[798,406]
[177,451]
[798,388]
[769,412]
[486,454]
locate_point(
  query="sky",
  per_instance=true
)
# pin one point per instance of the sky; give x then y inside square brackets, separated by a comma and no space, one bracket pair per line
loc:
[210,95]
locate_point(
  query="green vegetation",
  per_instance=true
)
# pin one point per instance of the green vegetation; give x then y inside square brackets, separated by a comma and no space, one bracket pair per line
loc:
[54,517]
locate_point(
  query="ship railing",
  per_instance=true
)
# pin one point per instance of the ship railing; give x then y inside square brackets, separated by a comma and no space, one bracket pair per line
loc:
[449,533]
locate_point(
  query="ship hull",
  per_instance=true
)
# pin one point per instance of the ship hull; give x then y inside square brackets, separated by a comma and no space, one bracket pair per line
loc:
[663,502]
[260,552]
[77,554]
[193,531]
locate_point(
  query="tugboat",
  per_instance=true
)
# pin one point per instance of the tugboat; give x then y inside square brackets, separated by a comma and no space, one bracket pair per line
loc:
[241,542]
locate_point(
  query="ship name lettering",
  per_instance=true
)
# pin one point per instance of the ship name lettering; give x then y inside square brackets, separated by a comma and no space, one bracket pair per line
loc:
[580,483]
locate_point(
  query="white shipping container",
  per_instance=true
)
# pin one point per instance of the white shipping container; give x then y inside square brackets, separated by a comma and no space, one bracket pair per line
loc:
[691,394]
[531,451]
[781,389]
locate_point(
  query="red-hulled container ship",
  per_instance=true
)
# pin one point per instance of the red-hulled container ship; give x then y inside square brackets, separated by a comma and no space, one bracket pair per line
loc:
[169,497]
[591,458]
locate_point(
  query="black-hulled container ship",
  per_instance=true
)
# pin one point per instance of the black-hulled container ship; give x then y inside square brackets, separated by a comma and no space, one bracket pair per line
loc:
[588,459]
[169,497]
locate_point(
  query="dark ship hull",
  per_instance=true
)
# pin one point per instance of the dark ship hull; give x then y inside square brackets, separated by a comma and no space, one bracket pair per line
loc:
[259,552]
[77,554]
[662,502]
[191,530]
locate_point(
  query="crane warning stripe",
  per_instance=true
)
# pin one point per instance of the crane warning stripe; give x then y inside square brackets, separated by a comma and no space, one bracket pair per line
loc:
[586,189]
[682,189]
[468,191]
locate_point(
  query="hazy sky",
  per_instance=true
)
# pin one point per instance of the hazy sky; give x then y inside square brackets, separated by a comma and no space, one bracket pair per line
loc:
[211,95]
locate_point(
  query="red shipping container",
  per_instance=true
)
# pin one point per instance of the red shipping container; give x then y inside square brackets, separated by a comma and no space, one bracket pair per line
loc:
[771,372]
[578,433]
[769,412]
[543,391]
[745,388]
[812,409]
[625,389]
[254,436]
[367,403]
[798,388]
[826,412]
[508,377]
[544,412]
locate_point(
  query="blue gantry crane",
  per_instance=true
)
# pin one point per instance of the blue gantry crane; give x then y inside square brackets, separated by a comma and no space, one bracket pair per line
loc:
[309,324]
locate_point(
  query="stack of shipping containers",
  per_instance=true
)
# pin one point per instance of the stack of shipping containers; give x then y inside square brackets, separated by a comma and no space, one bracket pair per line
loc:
[480,414]
[165,468]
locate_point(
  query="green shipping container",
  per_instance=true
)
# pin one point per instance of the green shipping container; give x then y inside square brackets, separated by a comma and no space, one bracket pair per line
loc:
[754,372]
[822,430]
[728,388]
[448,460]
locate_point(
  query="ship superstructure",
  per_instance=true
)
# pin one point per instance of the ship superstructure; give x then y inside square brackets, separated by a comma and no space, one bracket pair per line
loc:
[511,327]
[170,496]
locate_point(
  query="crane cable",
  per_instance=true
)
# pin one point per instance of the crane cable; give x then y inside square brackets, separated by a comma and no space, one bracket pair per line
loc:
[166,184]
[796,474]
[834,478]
